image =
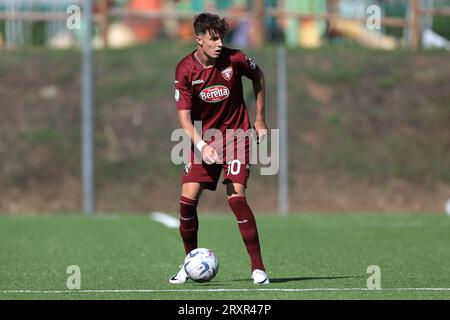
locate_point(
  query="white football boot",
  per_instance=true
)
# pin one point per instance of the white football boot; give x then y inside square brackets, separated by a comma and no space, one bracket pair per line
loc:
[180,277]
[260,277]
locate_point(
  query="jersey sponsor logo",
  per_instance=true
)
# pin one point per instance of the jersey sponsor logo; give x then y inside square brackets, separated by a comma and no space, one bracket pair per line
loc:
[198,81]
[177,95]
[227,74]
[214,93]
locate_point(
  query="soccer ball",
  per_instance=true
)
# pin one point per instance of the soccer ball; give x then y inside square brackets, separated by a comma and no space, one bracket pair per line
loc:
[201,264]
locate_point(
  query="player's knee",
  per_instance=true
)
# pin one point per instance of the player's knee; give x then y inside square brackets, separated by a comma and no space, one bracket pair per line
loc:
[237,201]
[188,202]
[191,190]
[192,197]
[235,190]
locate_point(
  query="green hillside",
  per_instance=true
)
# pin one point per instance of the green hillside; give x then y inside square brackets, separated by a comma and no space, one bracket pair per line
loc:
[368,130]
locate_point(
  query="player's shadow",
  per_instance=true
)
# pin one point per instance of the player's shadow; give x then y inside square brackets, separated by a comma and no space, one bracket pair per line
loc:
[282,280]
[213,284]
[291,279]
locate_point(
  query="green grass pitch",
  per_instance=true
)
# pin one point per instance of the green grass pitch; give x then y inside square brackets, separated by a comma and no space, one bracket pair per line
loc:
[307,257]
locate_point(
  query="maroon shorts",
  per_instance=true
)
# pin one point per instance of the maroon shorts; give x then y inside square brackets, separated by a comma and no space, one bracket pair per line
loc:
[235,166]
[233,171]
[236,171]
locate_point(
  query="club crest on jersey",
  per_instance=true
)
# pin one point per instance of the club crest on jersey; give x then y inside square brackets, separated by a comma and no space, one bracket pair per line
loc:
[187,169]
[214,93]
[227,74]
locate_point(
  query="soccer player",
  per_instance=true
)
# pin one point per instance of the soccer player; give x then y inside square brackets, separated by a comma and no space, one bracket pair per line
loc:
[208,89]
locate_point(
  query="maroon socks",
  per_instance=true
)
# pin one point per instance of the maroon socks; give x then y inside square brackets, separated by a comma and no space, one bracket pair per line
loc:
[246,222]
[188,223]
[247,227]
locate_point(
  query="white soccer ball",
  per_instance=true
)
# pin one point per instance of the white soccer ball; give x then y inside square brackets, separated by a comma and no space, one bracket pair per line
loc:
[201,264]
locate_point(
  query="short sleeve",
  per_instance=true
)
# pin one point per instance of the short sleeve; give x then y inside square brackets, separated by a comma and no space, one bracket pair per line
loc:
[247,66]
[183,93]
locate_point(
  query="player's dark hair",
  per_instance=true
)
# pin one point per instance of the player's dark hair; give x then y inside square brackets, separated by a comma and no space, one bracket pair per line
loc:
[205,22]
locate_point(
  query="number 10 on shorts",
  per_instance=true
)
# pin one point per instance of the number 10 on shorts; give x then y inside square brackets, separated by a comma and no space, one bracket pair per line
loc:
[234,167]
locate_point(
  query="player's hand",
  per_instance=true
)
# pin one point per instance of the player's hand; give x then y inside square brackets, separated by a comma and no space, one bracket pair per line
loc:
[209,155]
[261,130]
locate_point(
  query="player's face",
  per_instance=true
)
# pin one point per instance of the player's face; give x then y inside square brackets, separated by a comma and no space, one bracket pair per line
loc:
[211,44]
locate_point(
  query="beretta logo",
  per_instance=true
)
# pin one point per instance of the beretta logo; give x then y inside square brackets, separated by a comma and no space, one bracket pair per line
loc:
[214,93]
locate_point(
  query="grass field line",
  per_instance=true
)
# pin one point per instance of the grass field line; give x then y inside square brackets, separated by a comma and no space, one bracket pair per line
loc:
[165,219]
[219,290]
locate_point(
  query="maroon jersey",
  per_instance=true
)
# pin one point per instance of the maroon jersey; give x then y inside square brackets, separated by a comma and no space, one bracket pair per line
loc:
[215,94]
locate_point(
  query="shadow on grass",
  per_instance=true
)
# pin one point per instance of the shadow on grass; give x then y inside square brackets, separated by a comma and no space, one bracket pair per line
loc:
[283,280]
[211,284]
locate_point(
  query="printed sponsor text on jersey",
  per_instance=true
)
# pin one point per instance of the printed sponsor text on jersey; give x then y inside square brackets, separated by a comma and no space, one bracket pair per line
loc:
[214,93]
[198,81]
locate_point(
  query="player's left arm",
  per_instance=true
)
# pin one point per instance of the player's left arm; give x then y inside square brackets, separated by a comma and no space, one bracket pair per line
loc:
[252,71]
[259,90]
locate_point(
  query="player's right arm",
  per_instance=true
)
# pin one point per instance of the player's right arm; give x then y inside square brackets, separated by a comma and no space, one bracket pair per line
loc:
[183,97]
[209,154]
